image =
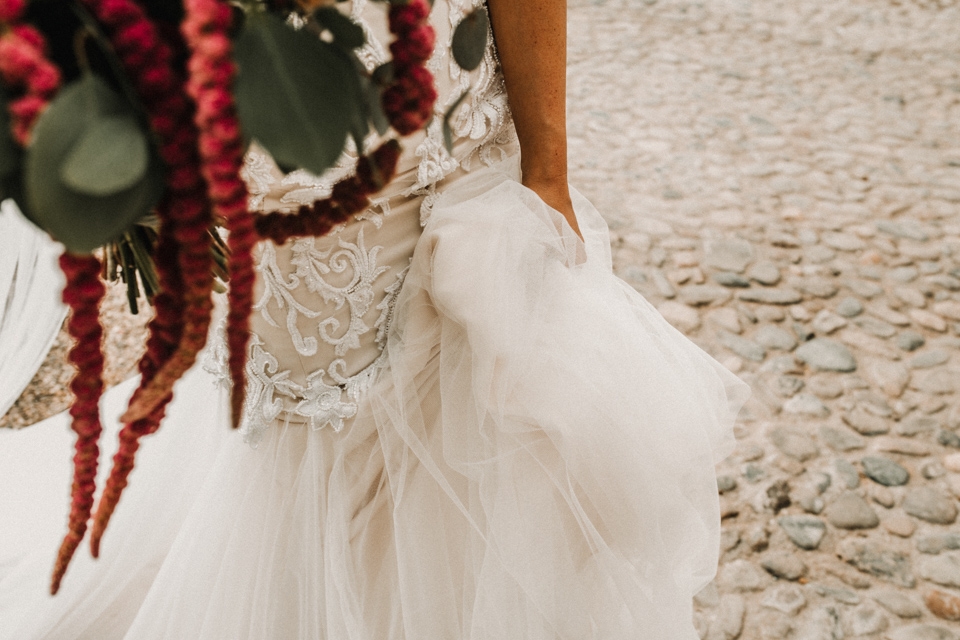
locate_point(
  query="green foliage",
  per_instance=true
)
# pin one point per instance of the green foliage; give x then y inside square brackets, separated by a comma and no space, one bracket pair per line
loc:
[82,208]
[346,33]
[447,131]
[111,156]
[296,95]
[470,39]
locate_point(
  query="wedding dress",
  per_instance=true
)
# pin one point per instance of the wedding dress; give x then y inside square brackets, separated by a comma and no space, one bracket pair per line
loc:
[460,425]
[30,308]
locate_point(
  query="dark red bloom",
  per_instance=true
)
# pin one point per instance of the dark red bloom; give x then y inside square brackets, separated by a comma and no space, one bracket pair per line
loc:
[83,292]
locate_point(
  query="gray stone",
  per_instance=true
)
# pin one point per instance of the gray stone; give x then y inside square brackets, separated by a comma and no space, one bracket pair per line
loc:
[935,381]
[910,340]
[825,385]
[935,543]
[943,569]
[850,511]
[754,473]
[875,326]
[726,483]
[773,337]
[822,623]
[863,288]
[782,564]
[849,307]
[764,272]
[805,404]
[786,598]
[698,295]
[826,322]
[725,318]
[731,279]
[818,254]
[840,439]
[897,603]
[728,255]
[817,287]
[803,530]
[843,241]
[884,471]
[922,632]
[903,274]
[771,296]
[847,472]
[681,316]
[789,386]
[865,619]
[910,296]
[891,377]
[931,505]
[664,288]
[916,425]
[837,593]
[866,422]
[728,624]
[794,442]
[826,355]
[742,575]
[776,497]
[906,229]
[742,346]
[929,358]
[948,439]
[874,559]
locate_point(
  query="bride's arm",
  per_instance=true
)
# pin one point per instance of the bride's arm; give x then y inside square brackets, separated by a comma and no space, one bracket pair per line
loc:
[531,38]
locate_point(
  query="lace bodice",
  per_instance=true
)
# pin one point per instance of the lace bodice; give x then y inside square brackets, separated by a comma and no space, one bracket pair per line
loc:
[324,305]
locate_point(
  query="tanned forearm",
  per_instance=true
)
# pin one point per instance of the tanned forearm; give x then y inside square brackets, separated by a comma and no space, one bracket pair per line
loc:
[531,38]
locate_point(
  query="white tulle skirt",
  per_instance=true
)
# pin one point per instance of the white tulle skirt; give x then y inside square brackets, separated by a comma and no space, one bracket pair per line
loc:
[536,461]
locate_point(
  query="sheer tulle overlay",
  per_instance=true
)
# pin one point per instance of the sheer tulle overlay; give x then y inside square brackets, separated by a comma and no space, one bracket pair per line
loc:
[535,460]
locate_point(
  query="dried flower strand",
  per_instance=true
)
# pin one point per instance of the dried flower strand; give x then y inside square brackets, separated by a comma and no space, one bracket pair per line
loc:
[221,148]
[83,293]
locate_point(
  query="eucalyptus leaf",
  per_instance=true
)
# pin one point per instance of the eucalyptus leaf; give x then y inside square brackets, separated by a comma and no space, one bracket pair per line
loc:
[82,222]
[111,156]
[384,74]
[296,95]
[345,32]
[372,94]
[470,39]
[447,130]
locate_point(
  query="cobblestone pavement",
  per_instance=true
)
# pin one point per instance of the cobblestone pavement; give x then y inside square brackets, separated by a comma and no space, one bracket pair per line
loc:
[782,179]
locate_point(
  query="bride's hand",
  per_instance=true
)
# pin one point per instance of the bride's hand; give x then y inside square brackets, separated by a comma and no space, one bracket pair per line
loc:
[556,194]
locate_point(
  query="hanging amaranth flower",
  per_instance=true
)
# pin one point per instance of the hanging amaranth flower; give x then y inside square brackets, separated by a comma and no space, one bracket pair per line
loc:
[212,70]
[182,257]
[83,292]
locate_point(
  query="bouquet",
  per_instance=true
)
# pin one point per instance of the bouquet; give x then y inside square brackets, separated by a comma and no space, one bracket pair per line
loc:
[123,126]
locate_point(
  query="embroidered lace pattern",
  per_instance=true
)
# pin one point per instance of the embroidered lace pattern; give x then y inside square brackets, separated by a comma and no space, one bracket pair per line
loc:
[341,279]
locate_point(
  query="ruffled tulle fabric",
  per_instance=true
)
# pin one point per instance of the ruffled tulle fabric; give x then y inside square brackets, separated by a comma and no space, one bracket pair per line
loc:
[535,461]
[30,308]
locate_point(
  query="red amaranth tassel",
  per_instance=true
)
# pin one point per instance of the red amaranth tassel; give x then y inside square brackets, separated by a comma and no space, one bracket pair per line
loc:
[148,62]
[408,104]
[23,65]
[166,328]
[350,196]
[184,263]
[221,148]
[83,292]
